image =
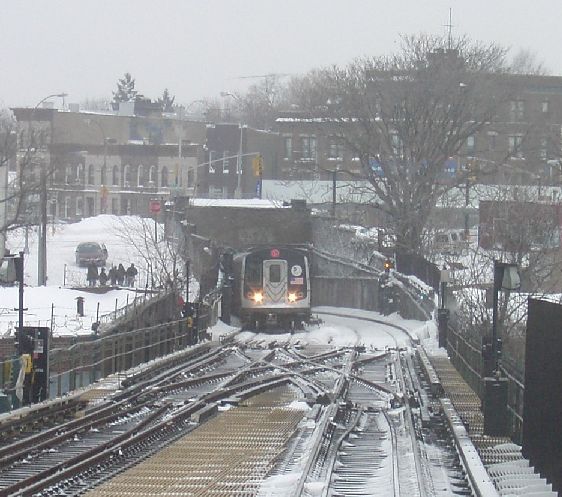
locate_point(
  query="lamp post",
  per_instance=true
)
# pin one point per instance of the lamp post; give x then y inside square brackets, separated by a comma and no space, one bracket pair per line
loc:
[239,165]
[42,252]
[494,400]
[506,277]
[443,312]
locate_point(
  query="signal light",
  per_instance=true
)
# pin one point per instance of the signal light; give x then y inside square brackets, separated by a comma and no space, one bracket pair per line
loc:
[388,265]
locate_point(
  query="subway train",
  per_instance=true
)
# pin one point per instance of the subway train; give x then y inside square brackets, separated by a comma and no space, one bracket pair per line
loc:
[272,287]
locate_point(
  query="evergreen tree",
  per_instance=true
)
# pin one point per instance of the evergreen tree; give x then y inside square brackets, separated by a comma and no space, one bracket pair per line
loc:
[167,101]
[125,89]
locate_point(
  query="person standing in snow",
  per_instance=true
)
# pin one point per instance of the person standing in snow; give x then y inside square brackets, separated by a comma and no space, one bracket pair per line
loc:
[131,275]
[120,274]
[92,274]
[112,275]
[103,277]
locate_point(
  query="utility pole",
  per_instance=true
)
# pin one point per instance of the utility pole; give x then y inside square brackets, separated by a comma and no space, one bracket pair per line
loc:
[42,253]
[18,261]
[180,139]
[238,192]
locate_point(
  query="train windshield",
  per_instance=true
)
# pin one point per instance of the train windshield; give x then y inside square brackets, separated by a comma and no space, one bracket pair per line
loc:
[253,272]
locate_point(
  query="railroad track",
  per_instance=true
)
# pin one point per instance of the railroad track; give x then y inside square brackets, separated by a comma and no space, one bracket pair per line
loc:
[239,418]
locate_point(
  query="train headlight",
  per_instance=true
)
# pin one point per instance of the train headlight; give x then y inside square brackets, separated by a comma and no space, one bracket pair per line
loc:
[292,297]
[258,297]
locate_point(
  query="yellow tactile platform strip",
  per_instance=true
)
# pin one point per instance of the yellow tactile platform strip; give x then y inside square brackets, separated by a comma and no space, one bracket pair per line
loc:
[230,455]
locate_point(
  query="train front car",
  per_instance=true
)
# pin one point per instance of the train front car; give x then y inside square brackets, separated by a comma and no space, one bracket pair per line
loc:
[274,288]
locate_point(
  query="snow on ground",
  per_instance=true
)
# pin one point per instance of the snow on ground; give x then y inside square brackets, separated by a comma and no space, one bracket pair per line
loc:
[344,331]
[62,240]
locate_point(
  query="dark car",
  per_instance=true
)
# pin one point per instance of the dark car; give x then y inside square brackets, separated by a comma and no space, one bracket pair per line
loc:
[89,252]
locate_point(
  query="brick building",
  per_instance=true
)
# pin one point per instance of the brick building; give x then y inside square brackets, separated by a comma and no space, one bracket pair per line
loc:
[104,163]
[521,145]
[220,178]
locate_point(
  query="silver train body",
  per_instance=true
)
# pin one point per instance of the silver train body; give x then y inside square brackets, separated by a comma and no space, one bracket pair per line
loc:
[272,285]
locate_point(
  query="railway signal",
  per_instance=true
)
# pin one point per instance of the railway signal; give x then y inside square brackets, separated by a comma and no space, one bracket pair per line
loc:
[388,265]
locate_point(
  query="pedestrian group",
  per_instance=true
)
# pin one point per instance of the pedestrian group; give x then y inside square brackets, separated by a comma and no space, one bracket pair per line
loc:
[117,276]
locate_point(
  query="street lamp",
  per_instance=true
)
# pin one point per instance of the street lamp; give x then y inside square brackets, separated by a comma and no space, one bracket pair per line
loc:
[238,191]
[494,400]
[506,277]
[442,311]
[42,252]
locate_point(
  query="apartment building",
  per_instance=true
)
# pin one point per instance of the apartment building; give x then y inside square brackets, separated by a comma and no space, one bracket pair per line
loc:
[104,163]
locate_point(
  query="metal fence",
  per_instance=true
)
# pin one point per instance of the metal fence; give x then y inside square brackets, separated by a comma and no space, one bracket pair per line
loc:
[465,351]
[97,356]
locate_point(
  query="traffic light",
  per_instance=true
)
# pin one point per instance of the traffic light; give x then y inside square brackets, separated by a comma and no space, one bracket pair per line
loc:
[257,165]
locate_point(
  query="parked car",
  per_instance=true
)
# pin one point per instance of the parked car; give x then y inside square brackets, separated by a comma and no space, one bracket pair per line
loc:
[88,252]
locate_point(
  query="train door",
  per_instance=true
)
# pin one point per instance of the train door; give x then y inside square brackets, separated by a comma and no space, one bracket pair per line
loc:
[274,281]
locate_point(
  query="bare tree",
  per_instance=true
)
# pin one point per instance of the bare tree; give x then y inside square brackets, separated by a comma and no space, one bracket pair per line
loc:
[20,173]
[405,115]
[160,254]
[514,228]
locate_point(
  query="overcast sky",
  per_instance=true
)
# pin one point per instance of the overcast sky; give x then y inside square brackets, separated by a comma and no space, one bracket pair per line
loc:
[199,48]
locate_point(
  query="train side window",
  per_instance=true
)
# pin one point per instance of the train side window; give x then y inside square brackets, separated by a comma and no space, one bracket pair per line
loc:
[275,273]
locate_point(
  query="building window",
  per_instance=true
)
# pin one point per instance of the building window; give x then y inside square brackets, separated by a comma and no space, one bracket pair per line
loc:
[115,206]
[79,173]
[543,152]
[67,174]
[164,177]
[492,138]
[125,207]
[544,106]
[91,174]
[90,206]
[115,176]
[287,147]
[103,174]
[335,148]
[140,176]
[225,162]
[397,145]
[79,206]
[470,145]
[126,175]
[211,165]
[514,145]
[516,110]
[152,175]
[66,213]
[308,147]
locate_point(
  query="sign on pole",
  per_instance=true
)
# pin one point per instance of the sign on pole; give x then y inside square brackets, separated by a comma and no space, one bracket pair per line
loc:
[258,188]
